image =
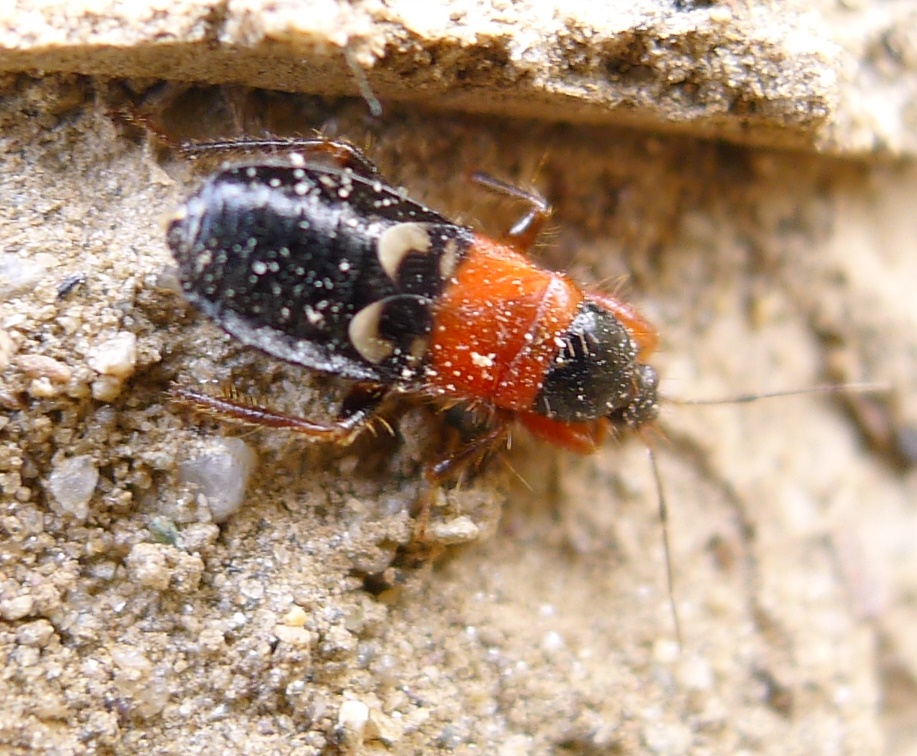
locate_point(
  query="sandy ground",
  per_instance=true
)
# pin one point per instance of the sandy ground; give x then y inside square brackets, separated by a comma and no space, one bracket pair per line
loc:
[131,621]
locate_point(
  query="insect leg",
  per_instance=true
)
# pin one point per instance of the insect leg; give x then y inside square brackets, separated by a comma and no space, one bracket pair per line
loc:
[359,407]
[341,154]
[135,117]
[522,234]
[451,465]
[473,452]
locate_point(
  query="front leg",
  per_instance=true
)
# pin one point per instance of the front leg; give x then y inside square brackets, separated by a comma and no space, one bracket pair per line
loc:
[453,463]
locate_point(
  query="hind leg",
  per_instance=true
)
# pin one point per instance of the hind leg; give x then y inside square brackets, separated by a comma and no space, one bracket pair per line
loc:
[358,409]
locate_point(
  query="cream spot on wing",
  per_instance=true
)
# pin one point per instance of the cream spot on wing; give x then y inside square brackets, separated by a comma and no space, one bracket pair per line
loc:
[449,259]
[364,334]
[397,242]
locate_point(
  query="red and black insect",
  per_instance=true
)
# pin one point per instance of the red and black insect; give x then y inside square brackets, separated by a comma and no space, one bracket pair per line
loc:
[316,260]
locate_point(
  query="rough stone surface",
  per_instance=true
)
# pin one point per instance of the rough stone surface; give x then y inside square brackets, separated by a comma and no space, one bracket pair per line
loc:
[839,77]
[145,627]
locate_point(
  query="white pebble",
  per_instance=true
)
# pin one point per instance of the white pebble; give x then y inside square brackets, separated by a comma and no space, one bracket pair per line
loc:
[42,388]
[17,608]
[460,530]
[352,719]
[18,275]
[116,356]
[221,473]
[297,637]
[666,651]
[106,388]
[72,483]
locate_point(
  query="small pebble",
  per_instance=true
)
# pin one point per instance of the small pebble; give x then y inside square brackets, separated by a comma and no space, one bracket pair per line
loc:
[116,356]
[385,729]
[37,634]
[106,388]
[666,651]
[161,567]
[298,637]
[454,532]
[18,275]
[221,473]
[516,745]
[552,642]
[42,366]
[147,566]
[17,608]
[72,482]
[296,617]
[42,388]
[667,739]
[352,719]
[695,673]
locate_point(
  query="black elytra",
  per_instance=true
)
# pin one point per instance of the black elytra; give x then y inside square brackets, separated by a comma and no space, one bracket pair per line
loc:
[317,266]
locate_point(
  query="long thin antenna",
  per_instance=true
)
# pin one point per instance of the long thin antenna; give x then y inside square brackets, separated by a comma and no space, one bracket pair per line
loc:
[366,91]
[664,523]
[825,388]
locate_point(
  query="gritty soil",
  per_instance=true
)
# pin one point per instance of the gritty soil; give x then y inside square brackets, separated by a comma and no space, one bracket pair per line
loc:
[131,621]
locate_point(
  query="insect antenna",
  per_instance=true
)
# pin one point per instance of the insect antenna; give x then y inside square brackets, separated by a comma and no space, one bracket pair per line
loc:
[366,91]
[518,475]
[823,388]
[826,388]
[664,524]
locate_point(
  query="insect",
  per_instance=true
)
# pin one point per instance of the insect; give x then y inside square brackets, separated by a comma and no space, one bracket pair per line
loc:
[318,261]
